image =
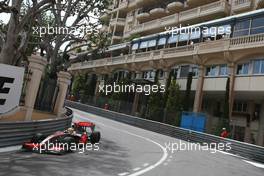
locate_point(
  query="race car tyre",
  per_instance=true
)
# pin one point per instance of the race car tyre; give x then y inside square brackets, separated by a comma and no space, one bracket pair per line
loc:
[37,138]
[95,137]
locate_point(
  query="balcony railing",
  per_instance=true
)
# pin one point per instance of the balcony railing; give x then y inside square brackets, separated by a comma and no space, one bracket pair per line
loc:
[130,19]
[216,8]
[123,4]
[248,41]
[118,22]
[143,16]
[138,57]
[210,10]
[159,23]
[157,12]
[217,46]
[198,2]
[132,3]
[116,37]
[144,2]
[241,5]
[116,60]
[175,6]
[249,83]
[175,51]
[127,4]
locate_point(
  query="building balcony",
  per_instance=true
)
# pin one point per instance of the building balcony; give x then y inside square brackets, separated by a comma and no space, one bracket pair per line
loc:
[132,4]
[116,37]
[154,25]
[242,5]
[247,42]
[141,3]
[250,83]
[118,22]
[251,86]
[193,3]
[143,16]
[184,54]
[134,58]
[129,19]
[209,11]
[123,4]
[215,46]
[127,5]
[215,84]
[157,12]
[174,7]
[183,82]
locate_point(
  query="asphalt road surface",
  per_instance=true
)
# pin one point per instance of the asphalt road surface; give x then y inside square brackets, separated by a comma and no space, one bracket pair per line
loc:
[126,151]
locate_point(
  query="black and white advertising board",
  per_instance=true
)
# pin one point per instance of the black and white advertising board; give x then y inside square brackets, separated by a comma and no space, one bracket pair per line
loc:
[11,81]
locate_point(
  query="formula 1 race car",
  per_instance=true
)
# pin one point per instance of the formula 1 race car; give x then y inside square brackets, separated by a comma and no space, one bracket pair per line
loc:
[62,142]
[88,128]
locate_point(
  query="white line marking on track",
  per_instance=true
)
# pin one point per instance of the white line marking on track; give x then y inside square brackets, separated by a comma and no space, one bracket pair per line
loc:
[123,174]
[145,165]
[163,158]
[136,169]
[259,165]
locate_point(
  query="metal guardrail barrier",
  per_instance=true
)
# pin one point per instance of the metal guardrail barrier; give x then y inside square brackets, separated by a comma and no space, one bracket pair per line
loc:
[242,149]
[15,133]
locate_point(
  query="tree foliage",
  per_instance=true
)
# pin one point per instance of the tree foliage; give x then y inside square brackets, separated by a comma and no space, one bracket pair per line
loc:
[174,104]
[224,119]
[186,101]
[156,104]
[83,86]
[79,18]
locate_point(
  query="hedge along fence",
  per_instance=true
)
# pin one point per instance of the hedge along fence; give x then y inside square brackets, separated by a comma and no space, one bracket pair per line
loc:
[242,149]
[15,133]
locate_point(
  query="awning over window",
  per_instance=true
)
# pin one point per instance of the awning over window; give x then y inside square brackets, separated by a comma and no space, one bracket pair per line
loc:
[118,46]
[208,32]
[143,44]
[220,30]
[183,37]
[195,35]
[152,43]
[226,29]
[173,39]
[135,46]
[162,41]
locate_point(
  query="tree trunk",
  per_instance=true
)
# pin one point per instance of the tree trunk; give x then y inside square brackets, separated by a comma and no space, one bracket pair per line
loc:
[8,52]
[9,49]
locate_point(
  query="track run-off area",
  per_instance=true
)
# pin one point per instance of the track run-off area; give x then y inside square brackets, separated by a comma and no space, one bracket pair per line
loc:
[127,151]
